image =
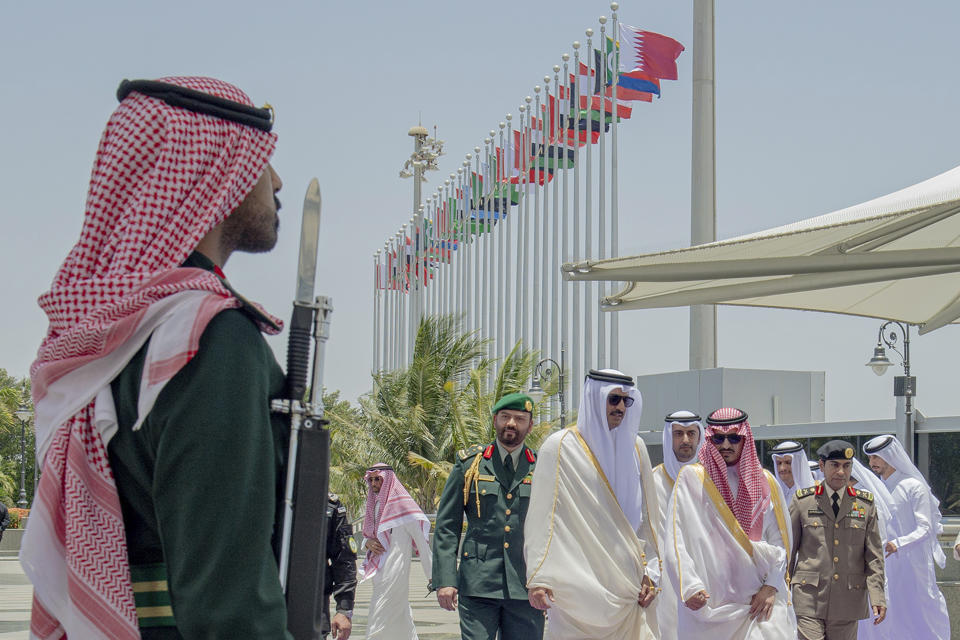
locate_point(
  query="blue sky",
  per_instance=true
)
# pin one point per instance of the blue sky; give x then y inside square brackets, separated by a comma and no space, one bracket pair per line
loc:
[819,106]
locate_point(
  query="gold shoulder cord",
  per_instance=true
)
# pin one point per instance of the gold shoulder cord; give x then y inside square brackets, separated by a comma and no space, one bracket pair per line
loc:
[472,475]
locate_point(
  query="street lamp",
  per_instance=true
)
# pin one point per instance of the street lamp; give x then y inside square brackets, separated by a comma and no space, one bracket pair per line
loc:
[904,386]
[548,369]
[23,415]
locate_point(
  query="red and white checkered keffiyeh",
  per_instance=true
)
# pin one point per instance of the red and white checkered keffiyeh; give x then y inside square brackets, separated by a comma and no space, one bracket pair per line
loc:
[162,178]
[753,495]
[397,507]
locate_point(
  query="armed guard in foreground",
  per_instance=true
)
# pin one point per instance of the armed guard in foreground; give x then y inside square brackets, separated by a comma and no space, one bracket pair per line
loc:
[837,557]
[162,462]
[490,485]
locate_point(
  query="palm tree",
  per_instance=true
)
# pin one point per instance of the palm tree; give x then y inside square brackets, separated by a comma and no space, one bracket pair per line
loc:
[416,419]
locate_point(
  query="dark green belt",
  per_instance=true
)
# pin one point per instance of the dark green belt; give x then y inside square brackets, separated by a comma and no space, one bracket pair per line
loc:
[152,595]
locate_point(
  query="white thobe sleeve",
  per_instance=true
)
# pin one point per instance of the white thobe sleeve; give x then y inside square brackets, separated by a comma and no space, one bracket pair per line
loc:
[683,528]
[415,530]
[771,535]
[956,556]
[917,501]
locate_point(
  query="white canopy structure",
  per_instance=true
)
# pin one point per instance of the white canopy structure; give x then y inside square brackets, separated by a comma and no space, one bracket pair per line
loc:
[896,258]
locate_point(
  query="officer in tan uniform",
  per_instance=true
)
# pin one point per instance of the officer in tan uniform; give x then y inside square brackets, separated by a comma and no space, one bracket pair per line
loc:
[837,554]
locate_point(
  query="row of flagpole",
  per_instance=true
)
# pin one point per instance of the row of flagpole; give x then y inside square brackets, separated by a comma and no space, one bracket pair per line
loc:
[461,253]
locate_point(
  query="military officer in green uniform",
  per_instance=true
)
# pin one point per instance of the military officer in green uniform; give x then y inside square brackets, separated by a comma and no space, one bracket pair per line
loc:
[491,486]
[837,555]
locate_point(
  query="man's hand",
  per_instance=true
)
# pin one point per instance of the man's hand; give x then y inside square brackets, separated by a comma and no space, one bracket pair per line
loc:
[647,592]
[880,613]
[540,598]
[761,605]
[697,600]
[891,549]
[447,597]
[374,546]
[340,627]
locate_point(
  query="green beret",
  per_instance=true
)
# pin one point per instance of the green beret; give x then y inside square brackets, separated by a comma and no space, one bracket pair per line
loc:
[836,450]
[515,402]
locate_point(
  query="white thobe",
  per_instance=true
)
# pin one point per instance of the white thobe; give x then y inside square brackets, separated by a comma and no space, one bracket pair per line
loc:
[580,545]
[707,549]
[667,601]
[391,617]
[918,609]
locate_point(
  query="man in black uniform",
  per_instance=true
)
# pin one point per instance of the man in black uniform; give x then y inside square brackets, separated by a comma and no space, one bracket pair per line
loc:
[341,573]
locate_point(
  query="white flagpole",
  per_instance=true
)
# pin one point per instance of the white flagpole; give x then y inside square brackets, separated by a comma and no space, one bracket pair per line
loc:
[502,241]
[513,255]
[602,200]
[577,349]
[588,352]
[614,188]
[461,215]
[475,191]
[524,239]
[535,310]
[376,311]
[544,312]
[558,249]
[487,233]
[454,266]
[564,108]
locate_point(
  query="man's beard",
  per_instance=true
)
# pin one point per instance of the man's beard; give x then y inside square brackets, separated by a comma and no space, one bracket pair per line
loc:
[509,436]
[251,230]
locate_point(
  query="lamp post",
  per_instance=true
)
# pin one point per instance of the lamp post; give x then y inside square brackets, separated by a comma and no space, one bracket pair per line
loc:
[549,368]
[23,415]
[904,386]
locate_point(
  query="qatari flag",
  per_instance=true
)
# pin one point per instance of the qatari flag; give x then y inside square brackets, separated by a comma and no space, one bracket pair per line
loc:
[650,52]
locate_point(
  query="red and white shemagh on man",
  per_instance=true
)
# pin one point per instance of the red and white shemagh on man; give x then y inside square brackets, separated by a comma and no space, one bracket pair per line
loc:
[753,494]
[162,178]
[397,507]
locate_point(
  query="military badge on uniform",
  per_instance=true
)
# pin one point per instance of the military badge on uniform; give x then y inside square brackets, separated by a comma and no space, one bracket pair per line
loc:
[353,545]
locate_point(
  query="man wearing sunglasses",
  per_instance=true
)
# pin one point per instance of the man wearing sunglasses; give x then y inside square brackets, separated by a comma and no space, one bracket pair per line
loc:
[727,537]
[590,542]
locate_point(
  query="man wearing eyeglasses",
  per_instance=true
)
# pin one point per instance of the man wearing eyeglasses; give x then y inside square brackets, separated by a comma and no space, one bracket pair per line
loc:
[727,537]
[589,539]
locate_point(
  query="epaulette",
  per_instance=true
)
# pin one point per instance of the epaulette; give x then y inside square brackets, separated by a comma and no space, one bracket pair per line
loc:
[809,491]
[470,451]
[866,496]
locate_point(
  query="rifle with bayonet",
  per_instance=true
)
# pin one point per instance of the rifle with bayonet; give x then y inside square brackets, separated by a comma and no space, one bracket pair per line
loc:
[303,545]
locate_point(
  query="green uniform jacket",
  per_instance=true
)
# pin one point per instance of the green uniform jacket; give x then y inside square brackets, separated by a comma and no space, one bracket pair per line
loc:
[199,485]
[491,559]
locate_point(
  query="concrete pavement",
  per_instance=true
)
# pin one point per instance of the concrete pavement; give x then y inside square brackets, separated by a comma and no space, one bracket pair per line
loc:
[433,623]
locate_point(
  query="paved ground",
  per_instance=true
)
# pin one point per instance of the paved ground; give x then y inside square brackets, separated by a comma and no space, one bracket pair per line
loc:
[433,623]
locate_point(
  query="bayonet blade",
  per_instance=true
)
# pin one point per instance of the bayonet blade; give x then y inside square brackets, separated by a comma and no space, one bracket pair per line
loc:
[309,241]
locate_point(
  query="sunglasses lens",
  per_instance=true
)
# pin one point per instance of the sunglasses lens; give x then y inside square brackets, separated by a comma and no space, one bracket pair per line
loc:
[718,438]
[615,400]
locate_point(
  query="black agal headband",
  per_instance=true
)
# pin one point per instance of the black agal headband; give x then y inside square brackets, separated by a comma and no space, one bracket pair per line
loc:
[200,102]
[617,378]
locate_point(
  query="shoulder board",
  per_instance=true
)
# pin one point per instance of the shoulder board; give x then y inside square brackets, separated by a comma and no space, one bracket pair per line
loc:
[469,452]
[247,307]
[809,491]
[866,496]
[531,455]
